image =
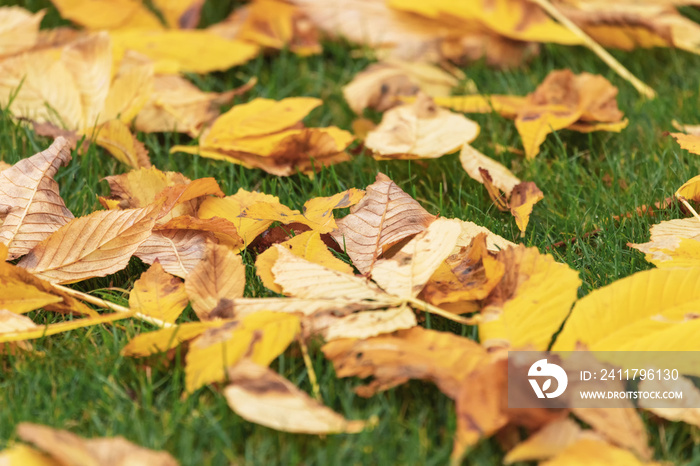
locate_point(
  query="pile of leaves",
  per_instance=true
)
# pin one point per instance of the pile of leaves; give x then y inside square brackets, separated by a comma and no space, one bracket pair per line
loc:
[358,285]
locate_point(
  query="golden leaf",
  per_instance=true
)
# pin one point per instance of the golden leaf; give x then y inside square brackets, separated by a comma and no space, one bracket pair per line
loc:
[441,357]
[261,337]
[108,14]
[259,395]
[654,311]
[178,105]
[674,243]
[523,197]
[67,448]
[587,452]
[622,426]
[473,161]
[92,246]
[215,281]
[308,245]
[689,142]
[420,130]
[222,229]
[532,300]
[548,442]
[365,324]
[385,216]
[194,51]
[32,333]
[158,294]
[19,29]
[115,136]
[30,205]
[131,88]
[165,339]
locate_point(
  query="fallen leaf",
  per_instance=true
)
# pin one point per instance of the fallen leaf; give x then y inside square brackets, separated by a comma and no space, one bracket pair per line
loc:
[176,51]
[417,353]
[385,216]
[622,426]
[259,395]
[474,161]
[115,136]
[651,306]
[531,301]
[19,29]
[67,448]
[178,251]
[362,325]
[215,281]
[683,410]
[108,14]
[222,229]
[159,295]
[420,130]
[31,207]
[689,142]
[96,245]
[590,452]
[548,442]
[308,245]
[380,85]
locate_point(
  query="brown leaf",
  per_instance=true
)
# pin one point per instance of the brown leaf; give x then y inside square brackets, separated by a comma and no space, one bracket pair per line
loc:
[92,246]
[30,205]
[215,281]
[158,294]
[260,395]
[224,230]
[178,251]
[440,357]
[67,448]
[385,216]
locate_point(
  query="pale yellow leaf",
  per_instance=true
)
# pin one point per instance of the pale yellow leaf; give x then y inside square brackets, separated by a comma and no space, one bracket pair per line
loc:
[115,136]
[178,251]
[259,395]
[472,160]
[19,29]
[367,324]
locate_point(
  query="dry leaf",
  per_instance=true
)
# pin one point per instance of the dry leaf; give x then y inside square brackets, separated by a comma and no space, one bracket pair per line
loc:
[30,205]
[67,448]
[108,14]
[224,231]
[215,281]
[260,395]
[178,251]
[158,294]
[19,29]
[474,161]
[548,442]
[381,84]
[441,357]
[96,245]
[621,425]
[420,130]
[178,105]
[590,452]
[131,88]
[685,409]
[308,245]
[362,324]
[385,216]
[117,139]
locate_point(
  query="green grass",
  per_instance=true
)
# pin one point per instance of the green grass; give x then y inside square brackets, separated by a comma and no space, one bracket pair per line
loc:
[83,384]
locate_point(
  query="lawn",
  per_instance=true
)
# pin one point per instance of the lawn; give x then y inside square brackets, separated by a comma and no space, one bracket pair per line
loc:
[81,382]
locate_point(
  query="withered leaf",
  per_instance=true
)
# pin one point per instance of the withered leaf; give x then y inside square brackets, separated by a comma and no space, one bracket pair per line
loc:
[178,251]
[158,294]
[30,205]
[260,395]
[385,216]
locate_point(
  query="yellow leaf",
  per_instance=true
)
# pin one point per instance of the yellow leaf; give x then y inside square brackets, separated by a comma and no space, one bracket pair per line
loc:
[507,106]
[30,205]
[548,442]
[92,246]
[107,14]
[231,207]
[523,198]
[384,216]
[179,13]
[420,130]
[53,329]
[47,91]
[19,29]
[406,272]
[23,455]
[117,139]
[691,188]
[224,230]
[590,452]
[259,117]
[673,243]
[440,357]
[259,395]
[68,448]
[194,51]
[684,409]
[165,339]
[308,245]
[654,311]
[89,60]
[215,281]
[472,160]
[534,123]
[261,337]
[158,295]
[535,296]
[131,88]
[20,297]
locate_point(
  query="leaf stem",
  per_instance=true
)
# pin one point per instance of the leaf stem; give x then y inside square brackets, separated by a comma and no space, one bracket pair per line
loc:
[443,313]
[109,305]
[310,369]
[597,49]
